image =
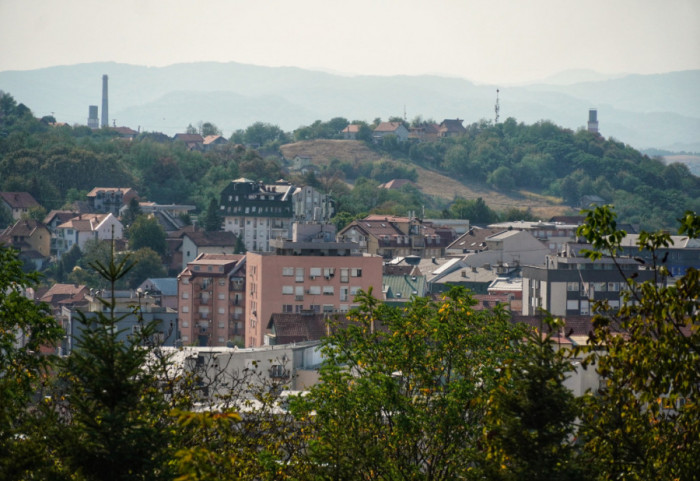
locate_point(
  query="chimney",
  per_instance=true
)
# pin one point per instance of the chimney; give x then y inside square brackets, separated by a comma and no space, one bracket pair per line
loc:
[105,103]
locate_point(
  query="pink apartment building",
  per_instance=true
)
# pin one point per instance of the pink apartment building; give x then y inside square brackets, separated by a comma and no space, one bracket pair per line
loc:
[211,300]
[305,276]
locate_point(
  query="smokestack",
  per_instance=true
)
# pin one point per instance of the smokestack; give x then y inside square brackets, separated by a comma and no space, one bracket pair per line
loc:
[93,121]
[593,121]
[105,103]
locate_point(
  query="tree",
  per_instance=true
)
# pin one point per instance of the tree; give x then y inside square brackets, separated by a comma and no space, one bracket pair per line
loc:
[403,391]
[146,231]
[208,128]
[5,216]
[212,217]
[116,413]
[147,263]
[26,328]
[132,212]
[644,422]
[532,411]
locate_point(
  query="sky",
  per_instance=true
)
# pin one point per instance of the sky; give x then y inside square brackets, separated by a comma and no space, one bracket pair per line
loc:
[486,41]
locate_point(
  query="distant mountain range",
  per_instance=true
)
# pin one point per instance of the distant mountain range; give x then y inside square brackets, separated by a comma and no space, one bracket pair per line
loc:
[646,111]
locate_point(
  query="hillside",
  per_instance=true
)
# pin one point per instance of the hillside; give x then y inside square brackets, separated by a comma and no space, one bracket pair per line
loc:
[430,182]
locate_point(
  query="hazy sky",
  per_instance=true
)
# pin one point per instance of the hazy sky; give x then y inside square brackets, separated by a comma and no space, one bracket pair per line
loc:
[494,41]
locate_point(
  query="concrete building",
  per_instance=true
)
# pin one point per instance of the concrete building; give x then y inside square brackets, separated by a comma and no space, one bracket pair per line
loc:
[310,205]
[257,212]
[568,284]
[552,234]
[305,276]
[84,227]
[211,300]
[110,199]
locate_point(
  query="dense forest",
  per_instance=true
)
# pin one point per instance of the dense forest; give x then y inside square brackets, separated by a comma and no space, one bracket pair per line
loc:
[58,164]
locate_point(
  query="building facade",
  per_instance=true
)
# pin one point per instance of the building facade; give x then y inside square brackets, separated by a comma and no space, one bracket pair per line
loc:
[211,300]
[256,212]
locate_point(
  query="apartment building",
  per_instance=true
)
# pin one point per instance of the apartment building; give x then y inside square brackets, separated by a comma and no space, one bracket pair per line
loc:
[211,300]
[321,277]
[257,212]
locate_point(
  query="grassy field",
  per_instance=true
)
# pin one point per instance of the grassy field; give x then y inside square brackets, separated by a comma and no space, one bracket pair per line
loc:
[430,182]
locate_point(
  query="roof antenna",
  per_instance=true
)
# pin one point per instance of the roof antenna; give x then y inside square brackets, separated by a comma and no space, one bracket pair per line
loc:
[498,106]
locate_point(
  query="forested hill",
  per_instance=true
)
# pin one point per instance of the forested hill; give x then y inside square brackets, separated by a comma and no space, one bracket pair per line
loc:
[59,164]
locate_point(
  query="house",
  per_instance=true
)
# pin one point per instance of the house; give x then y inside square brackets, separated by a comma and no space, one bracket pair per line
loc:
[196,243]
[110,199]
[350,132]
[292,327]
[211,142]
[299,276]
[31,238]
[191,141]
[569,283]
[126,132]
[553,234]
[211,300]
[683,253]
[257,212]
[162,289]
[397,129]
[451,128]
[300,162]
[426,132]
[399,289]
[52,220]
[18,203]
[393,236]
[80,229]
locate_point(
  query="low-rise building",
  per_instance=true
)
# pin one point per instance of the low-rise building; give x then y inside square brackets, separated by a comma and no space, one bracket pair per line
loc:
[31,238]
[84,227]
[110,199]
[18,203]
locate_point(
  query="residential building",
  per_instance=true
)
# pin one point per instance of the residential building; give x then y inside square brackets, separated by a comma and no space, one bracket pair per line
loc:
[211,142]
[162,289]
[126,132]
[18,203]
[52,220]
[397,129]
[84,227]
[196,243]
[310,205]
[426,132]
[191,141]
[392,236]
[211,300]
[569,283]
[110,199]
[553,234]
[350,132]
[451,128]
[298,276]
[31,238]
[683,253]
[399,289]
[257,212]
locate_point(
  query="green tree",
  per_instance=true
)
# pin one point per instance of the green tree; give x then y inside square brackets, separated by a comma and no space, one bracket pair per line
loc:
[644,422]
[532,411]
[146,231]
[132,212]
[212,217]
[208,128]
[25,329]
[5,216]
[116,412]
[403,393]
[147,263]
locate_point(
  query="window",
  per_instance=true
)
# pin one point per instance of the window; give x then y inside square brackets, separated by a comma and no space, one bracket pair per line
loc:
[221,325]
[185,309]
[327,308]
[315,307]
[328,291]
[315,272]
[344,293]
[185,295]
[299,274]
[315,290]
[288,271]
[221,296]
[585,308]
[287,308]
[344,274]
[572,286]
[354,290]
[185,324]
[222,310]
[572,305]
[613,286]
[288,290]
[356,272]
[344,308]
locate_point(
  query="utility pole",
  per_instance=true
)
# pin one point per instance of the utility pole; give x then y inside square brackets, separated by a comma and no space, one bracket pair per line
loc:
[498,106]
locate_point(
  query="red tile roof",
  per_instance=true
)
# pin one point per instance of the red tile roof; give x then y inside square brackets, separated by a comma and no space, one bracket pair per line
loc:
[19,200]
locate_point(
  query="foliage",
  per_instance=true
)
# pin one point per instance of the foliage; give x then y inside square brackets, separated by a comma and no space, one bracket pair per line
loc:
[6,218]
[146,231]
[532,411]
[475,210]
[133,211]
[116,411]
[147,263]
[26,329]
[403,393]
[644,422]
[213,219]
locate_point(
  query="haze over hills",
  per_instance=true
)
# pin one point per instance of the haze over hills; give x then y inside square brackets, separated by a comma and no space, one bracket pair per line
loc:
[646,111]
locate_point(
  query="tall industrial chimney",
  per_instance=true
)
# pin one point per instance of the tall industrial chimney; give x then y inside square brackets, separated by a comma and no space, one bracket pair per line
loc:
[105,103]
[593,121]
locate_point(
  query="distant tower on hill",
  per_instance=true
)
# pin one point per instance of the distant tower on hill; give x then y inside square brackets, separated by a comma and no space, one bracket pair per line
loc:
[593,121]
[105,103]
[93,121]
